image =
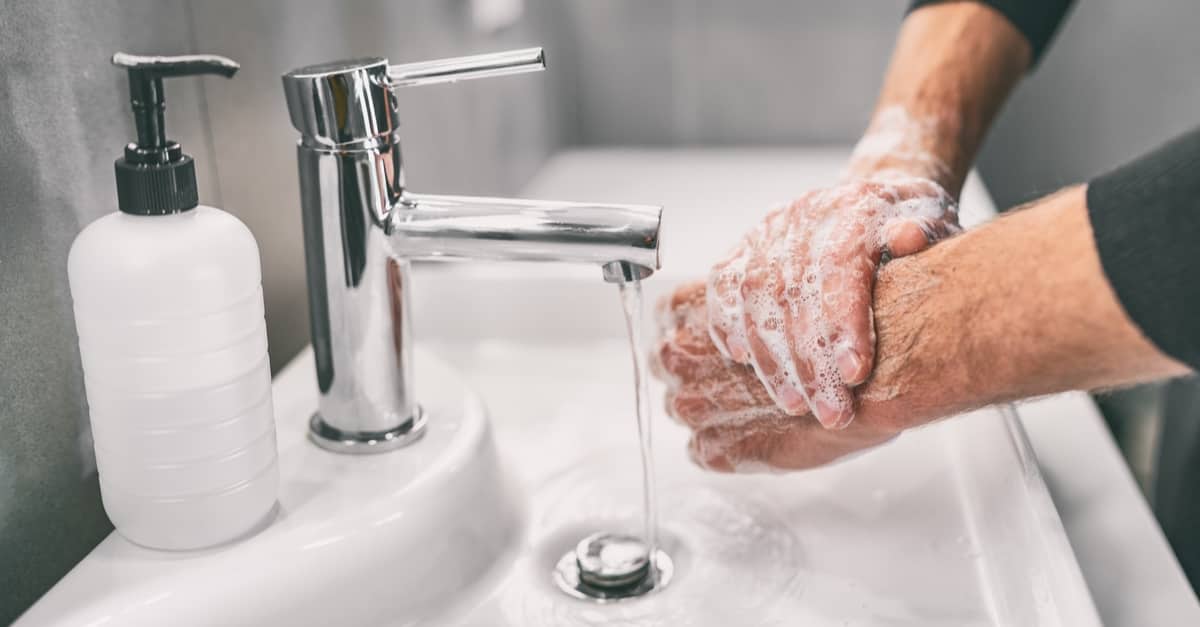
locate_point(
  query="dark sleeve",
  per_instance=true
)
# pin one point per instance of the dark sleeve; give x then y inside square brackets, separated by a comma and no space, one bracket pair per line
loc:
[1037,20]
[1146,221]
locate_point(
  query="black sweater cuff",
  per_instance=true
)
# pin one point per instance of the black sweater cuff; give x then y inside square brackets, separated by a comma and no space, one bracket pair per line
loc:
[1146,222]
[1037,20]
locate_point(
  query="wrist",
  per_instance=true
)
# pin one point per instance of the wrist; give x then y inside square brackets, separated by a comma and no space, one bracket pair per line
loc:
[901,143]
[1017,308]
[929,363]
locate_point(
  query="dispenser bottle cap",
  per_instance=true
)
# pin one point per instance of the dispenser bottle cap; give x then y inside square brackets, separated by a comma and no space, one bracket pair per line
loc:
[154,177]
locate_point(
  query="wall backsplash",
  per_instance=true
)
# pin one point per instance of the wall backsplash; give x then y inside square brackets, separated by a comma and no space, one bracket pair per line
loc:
[63,120]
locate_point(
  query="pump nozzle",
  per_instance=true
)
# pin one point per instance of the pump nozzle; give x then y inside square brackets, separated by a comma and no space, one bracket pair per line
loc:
[155,177]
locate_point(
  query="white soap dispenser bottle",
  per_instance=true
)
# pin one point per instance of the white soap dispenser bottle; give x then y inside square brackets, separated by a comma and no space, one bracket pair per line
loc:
[169,310]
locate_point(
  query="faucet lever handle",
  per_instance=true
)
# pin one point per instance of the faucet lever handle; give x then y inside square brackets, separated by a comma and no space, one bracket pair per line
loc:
[462,68]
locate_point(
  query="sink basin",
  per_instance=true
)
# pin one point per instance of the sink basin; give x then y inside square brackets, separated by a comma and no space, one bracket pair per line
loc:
[356,540]
[947,525]
[464,527]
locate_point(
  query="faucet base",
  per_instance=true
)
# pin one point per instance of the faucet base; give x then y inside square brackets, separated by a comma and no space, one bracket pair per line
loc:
[366,442]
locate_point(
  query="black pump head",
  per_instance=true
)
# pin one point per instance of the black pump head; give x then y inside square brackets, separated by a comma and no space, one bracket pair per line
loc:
[155,177]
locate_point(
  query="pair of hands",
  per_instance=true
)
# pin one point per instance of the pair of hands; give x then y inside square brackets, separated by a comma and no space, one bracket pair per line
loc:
[784,327]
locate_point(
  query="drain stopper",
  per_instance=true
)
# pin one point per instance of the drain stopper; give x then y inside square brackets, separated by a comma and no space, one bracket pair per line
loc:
[607,567]
[609,560]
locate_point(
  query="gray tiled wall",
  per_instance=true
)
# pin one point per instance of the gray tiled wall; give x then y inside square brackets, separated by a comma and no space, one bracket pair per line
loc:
[718,72]
[63,121]
[1120,79]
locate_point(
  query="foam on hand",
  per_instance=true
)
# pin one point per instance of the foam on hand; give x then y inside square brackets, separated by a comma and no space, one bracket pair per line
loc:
[793,298]
[896,137]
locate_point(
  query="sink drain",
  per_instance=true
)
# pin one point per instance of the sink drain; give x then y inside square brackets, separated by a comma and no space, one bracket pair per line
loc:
[610,567]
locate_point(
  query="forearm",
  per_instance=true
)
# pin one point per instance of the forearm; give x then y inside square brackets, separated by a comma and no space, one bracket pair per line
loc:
[953,66]
[1019,307]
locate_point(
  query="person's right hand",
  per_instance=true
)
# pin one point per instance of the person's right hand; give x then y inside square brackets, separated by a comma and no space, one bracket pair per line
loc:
[793,299]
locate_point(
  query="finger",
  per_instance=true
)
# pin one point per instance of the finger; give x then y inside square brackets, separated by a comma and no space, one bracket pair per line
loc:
[667,362]
[832,400]
[691,410]
[829,396]
[724,294]
[723,403]
[666,314]
[669,406]
[673,310]
[721,393]
[906,237]
[800,296]
[680,303]
[746,448]
[678,362]
[775,447]
[739,389]
[723,301]
[703,453]
[845,303]
[766,324]
[910,235]
[714,463]
[771,356]
[830,326]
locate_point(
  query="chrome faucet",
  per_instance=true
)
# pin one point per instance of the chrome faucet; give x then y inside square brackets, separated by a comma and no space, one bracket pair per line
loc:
[361,228]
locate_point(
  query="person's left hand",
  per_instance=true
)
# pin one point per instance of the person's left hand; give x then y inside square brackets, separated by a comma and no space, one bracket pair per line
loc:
[793,298]
[736,427]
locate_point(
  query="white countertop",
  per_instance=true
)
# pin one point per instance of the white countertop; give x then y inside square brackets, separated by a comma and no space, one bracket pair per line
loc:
[1132,574]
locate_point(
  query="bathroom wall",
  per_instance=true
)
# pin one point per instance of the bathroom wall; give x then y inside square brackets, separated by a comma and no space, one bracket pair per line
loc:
[63,120]
[1118,80]
[687,72]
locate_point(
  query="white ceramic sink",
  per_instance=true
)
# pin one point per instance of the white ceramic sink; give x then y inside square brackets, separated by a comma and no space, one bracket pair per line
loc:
[949,525]
[450,533]
[357,540]
[463,527]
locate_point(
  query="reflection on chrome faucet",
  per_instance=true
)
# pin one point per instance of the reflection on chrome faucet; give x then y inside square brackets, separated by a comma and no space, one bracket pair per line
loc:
[361,228]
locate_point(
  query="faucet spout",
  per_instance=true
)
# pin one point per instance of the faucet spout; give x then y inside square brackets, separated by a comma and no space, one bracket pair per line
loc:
[431,226]
[362,227]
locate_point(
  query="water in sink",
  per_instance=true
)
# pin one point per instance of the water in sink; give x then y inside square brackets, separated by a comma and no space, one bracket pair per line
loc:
[609,566]
[736,559]
[711,536]
[631,303]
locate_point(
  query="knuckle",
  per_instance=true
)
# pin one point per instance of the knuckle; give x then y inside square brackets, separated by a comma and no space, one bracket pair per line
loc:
[758,448]
[669,407]
[668,356]
[692,411]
